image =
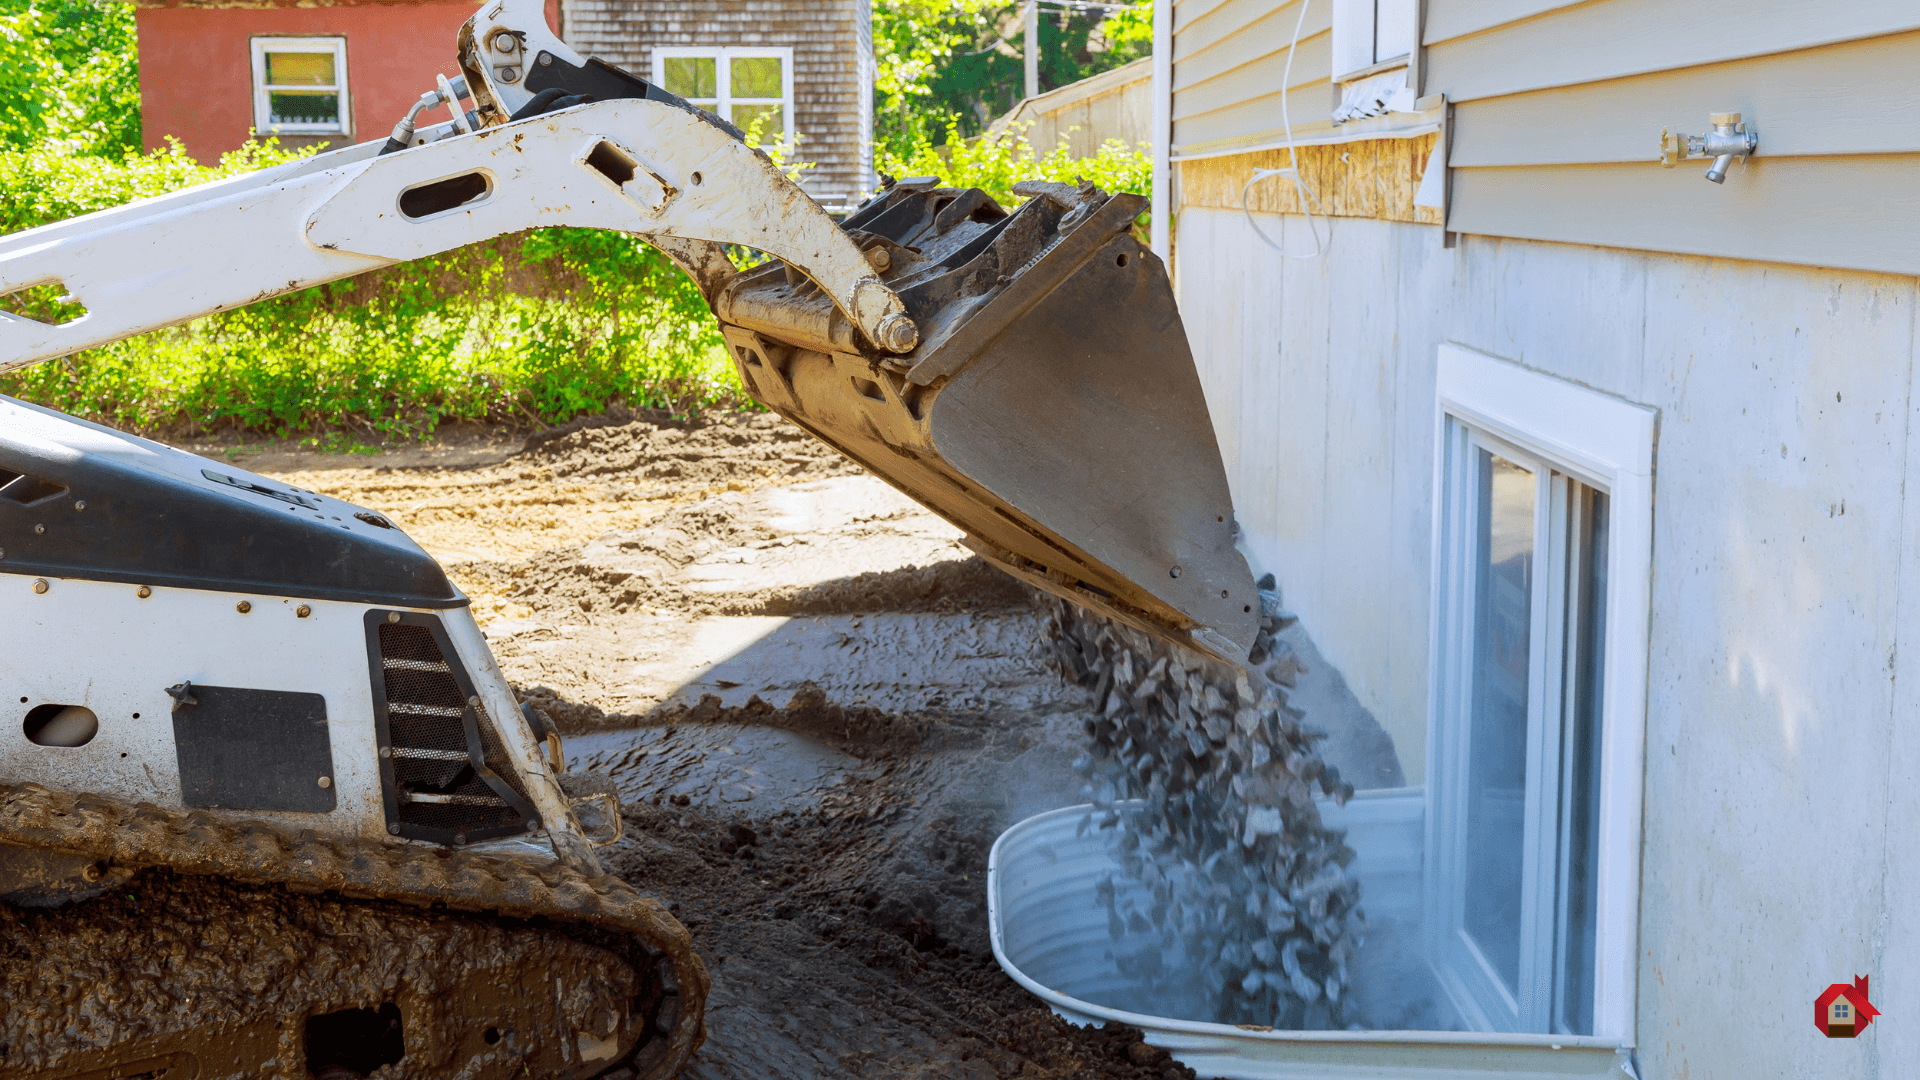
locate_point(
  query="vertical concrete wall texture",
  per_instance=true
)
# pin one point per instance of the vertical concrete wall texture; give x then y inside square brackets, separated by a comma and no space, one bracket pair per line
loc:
[1783,756]
[196,66]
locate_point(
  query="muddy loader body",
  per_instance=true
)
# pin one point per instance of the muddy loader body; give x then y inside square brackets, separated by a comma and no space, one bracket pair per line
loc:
[268,807]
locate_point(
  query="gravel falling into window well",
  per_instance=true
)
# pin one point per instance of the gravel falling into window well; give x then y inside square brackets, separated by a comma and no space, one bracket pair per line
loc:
[1204,778]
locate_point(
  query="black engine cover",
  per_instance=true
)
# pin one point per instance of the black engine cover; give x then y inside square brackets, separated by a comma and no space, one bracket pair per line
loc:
[78,500]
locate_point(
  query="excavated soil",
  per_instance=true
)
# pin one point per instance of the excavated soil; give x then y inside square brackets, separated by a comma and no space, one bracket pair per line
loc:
[820,711]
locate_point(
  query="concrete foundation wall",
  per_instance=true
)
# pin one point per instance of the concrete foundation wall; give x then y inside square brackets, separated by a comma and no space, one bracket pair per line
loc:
[1783,760]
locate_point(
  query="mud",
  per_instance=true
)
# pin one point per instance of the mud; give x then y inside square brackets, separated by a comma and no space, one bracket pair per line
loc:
[214,934]
[209,968]
[819,709]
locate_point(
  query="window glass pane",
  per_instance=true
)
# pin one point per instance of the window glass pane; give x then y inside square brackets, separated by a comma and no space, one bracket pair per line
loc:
[755,76]
[771,129]
[1580,794]
[1497,742]
[300,69]
[303,107]
[691,76]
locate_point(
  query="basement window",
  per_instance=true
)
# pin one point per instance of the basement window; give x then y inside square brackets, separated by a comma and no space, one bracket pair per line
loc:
[1537,723]
[300,86]
[747,86]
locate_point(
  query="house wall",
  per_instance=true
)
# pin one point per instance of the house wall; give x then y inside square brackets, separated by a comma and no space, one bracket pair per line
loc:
[196,74]
[1229,59]
[832,56]
[1559,107]
[1115,104]
[1784,572]
[1770,322]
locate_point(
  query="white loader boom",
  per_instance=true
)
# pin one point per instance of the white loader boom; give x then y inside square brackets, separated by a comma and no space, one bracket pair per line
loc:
[1022,373]
[659,169]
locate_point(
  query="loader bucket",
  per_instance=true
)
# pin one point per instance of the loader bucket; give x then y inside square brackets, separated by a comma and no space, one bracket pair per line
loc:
[1051,409]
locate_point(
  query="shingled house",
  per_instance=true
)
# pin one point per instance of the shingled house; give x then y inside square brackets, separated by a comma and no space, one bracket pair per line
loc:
[802,68]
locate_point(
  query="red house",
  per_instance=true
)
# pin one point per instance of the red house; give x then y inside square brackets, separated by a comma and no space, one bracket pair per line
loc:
[341,71]
[1842,1011]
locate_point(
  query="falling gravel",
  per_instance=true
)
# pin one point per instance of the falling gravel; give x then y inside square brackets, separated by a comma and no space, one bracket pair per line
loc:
[818,711]
[1206,778]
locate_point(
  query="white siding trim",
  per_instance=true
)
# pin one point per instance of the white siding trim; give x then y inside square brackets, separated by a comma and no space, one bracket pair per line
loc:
[1160,144]
[1392,126]
[1610,443]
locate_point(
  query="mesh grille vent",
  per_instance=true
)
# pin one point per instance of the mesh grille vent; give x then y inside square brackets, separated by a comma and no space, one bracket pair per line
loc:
[433,769]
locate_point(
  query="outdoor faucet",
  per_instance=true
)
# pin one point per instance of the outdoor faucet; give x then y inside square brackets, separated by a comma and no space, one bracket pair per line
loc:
[1729,139]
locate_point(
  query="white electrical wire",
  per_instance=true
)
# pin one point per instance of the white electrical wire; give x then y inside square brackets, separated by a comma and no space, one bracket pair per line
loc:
[1301,190]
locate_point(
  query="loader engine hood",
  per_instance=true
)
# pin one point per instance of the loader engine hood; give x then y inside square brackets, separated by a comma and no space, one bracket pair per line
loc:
[1051,409]
[78,500]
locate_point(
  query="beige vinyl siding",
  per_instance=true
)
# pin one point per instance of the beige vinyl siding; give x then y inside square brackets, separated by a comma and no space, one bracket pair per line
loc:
[1557,115]
[1229,57]
[1607,39]
[1859,213]
[1452,20]
[1840,99]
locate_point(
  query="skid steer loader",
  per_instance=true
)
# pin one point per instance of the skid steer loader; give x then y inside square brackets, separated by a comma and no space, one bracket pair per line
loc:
[268,807]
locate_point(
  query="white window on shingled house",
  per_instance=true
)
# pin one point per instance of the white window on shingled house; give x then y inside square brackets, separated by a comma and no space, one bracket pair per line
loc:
[748,86]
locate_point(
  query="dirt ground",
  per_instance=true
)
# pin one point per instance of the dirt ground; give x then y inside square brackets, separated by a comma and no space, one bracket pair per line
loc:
[820,709]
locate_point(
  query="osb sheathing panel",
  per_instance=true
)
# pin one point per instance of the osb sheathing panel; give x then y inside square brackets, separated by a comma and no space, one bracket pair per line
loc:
[1373,178]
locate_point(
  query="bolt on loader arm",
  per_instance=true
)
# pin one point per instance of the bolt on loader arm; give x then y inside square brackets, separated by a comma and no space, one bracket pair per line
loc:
[1022,373]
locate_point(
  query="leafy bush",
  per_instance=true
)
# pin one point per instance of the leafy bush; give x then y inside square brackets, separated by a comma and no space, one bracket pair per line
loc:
[535,327]
[995,164]
[951,65]
[50,182]
[72,76]
[540,326]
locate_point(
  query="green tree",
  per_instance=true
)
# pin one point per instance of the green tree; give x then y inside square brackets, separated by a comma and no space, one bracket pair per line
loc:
[72,76]
[949,66]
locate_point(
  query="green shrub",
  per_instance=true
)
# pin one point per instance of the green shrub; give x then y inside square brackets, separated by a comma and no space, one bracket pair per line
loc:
[995,164]
[72,76]
[535,327]
[538,327]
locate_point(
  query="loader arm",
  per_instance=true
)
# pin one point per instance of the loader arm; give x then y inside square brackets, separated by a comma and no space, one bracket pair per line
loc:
[644,167]
[1022,373]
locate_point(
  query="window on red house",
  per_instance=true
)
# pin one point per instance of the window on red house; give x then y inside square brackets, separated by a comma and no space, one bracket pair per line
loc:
[300,86]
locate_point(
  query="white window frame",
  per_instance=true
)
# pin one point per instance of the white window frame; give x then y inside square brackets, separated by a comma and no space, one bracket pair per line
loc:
[1609,445]
[721,55]
[1372,36]
[328,43]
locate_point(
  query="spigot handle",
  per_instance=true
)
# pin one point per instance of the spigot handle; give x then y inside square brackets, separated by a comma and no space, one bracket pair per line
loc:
[1673,147]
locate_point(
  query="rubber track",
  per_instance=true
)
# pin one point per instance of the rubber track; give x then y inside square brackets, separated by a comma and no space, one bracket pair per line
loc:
[142,835]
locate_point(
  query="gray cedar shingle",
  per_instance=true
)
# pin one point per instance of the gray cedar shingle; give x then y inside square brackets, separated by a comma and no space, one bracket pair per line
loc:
[829,38]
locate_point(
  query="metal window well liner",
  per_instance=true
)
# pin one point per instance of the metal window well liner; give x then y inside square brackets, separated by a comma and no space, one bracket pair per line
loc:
[1050,934]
